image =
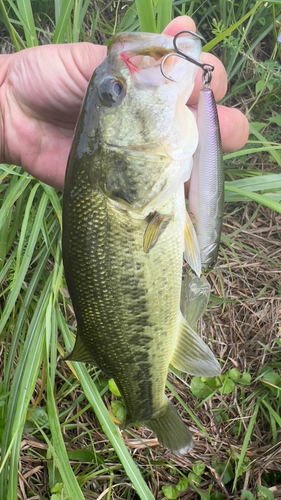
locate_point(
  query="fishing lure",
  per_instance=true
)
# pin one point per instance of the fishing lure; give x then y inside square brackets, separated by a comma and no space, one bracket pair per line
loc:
[206,191]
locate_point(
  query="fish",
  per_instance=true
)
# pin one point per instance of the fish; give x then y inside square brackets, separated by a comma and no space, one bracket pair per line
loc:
[125,228]
[206,190]
[195,294]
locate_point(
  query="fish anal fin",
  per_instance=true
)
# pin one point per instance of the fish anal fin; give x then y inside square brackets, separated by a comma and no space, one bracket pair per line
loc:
[192,355]
[191,246]
[156,226]
[80,352]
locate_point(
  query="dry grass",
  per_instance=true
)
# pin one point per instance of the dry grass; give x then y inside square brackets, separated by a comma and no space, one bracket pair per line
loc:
[243,329]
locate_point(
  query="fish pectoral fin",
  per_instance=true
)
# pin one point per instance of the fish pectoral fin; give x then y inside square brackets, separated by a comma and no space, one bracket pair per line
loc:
[191,246]
[192,355]
[79,352]
[156,226]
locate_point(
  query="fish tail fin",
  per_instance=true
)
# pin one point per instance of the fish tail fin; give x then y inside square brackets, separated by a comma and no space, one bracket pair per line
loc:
[170,430]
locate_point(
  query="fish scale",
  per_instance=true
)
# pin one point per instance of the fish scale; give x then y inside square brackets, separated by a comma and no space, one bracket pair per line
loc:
[122,279]
[124,223]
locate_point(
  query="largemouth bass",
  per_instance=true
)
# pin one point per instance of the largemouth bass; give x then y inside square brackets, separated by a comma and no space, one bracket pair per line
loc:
[124,228]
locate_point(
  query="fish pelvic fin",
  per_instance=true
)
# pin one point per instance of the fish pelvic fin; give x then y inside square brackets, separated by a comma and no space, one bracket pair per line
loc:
[170,430]
[192,355]
[79,352]
[192,253]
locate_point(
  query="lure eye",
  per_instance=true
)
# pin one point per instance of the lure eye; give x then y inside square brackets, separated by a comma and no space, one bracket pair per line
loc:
[111,91]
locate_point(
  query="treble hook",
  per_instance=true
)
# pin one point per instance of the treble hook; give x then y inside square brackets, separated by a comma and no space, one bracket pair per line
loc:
[207,68]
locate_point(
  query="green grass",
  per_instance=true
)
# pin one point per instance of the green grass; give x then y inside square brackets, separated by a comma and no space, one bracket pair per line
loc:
[35,320]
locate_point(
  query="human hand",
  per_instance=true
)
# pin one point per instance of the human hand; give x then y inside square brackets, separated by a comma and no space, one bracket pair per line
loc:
[41,91]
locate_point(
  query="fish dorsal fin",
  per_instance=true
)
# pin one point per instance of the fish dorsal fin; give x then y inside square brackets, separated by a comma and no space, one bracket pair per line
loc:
[191,246]
[195,293]
[192,355]
[79,352]
[156,226]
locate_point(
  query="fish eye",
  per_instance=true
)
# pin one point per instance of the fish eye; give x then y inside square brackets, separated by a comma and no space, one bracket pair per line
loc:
[110,91]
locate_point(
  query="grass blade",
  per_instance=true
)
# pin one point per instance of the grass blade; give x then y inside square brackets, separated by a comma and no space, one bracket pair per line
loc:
[108,426]
[245,443]
[258,198]
[14,194]
[21,392]
[146,15]
[57,447]
[164,14]
[261,139]
[78,17]
[63,21]
[188,411]
[16,39]
[27,255]
[209,46]
[258,183]
[26,18]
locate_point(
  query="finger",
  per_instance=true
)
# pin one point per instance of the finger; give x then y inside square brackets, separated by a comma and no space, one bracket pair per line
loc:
[234,128]
[87,57]
[178,24]
[219,79]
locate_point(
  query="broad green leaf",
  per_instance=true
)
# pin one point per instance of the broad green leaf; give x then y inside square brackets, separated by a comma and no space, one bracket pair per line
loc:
[200,389]
[198,468]
[224,470]
[264,493]
[248,495]
[275,119]
[39,416]
[205,495]
[273,381]
[182,484]
[216,496]
[240,378]
[194,480]
[170,492]
[118,410]
[113,388]
[59,492]
[260,85]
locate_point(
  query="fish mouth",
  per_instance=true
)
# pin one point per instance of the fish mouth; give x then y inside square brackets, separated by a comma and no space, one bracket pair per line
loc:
[144,52]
